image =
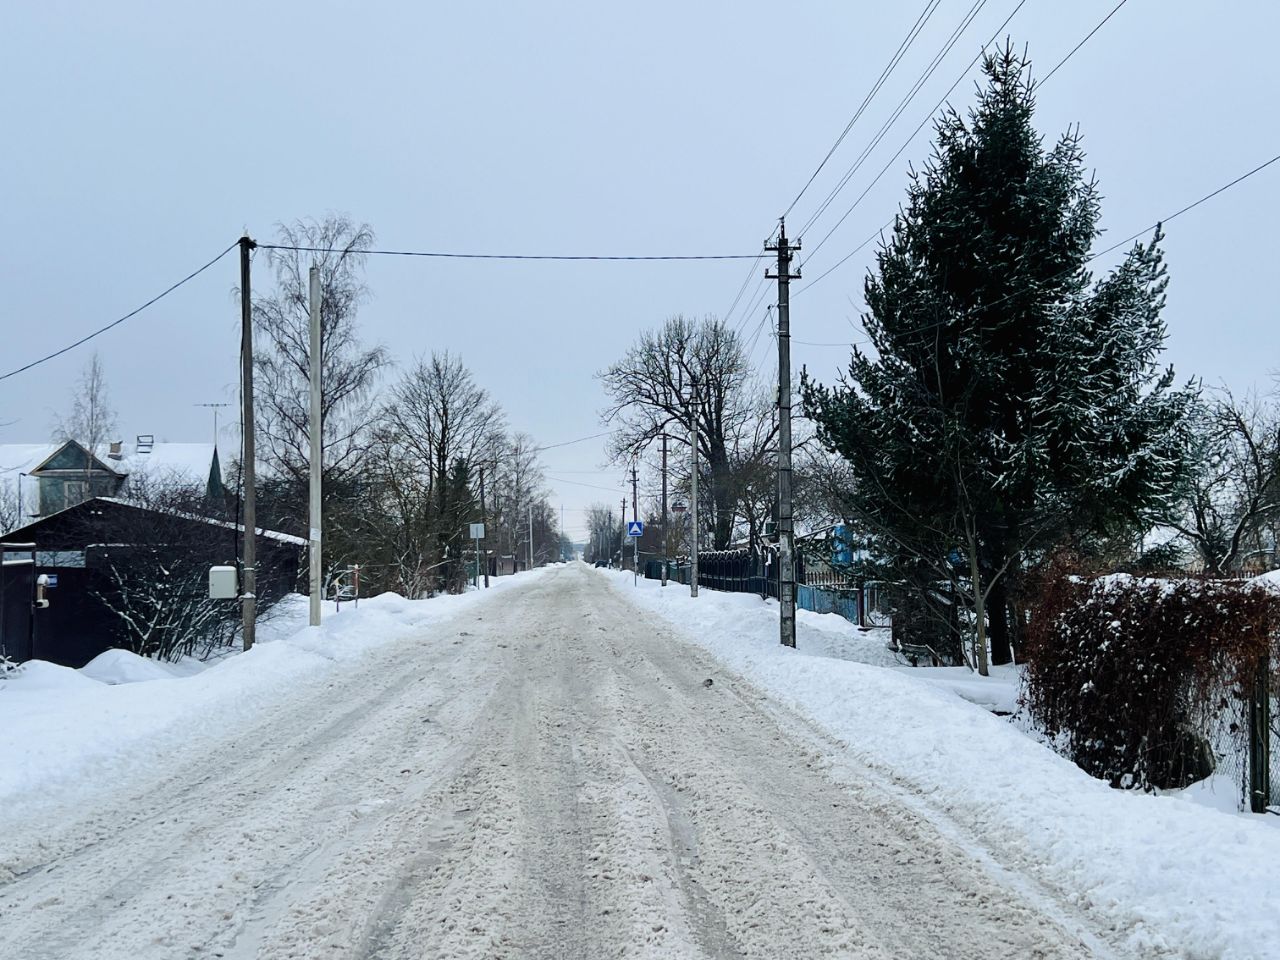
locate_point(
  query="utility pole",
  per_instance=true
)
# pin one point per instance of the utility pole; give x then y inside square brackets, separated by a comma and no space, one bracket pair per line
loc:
[530,537]
[562,537]
[248,594]
[786,530]
[665,538]
[317,448]
[486,530]
[693,446]
[635,515]
[622,543]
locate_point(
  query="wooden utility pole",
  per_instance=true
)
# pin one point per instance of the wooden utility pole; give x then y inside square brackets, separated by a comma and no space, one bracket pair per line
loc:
[486,531]
[531,536]
[786,529]
[622,544]
[635,515]
[249,585]
[665,538]
[693,446]
[317,449]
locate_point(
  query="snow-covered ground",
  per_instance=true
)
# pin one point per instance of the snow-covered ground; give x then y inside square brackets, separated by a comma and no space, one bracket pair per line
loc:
[544,770]
[568,765]
[1169,877]
[67,729]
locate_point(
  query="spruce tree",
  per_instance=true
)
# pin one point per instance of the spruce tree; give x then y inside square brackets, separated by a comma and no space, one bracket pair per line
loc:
[1012,402]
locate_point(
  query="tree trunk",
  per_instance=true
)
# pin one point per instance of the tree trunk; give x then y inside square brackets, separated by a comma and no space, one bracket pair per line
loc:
[998,614]
[979,611]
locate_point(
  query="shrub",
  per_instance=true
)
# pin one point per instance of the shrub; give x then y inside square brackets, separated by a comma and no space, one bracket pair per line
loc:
[1131,674]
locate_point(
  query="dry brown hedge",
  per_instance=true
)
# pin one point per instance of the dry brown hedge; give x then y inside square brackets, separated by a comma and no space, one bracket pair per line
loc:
[1130,674]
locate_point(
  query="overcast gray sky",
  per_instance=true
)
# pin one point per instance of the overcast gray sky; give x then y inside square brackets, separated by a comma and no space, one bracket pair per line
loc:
[141,139]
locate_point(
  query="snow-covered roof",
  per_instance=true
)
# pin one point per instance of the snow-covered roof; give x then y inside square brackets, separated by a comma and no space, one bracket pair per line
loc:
[225,524]
[163,461]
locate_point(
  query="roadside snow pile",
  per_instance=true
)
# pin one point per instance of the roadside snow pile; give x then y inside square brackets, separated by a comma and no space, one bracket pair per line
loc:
[73,728]
[121,666]
[1169,876]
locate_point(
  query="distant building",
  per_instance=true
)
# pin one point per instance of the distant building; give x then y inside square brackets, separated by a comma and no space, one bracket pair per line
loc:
[50,477]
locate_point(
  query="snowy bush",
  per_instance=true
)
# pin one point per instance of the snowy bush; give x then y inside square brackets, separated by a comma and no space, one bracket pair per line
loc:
[1133,675]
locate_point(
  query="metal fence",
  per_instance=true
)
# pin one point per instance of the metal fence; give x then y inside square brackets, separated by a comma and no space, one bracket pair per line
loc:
[820,588]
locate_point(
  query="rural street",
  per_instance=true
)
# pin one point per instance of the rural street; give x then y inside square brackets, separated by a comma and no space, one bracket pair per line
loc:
[549,774]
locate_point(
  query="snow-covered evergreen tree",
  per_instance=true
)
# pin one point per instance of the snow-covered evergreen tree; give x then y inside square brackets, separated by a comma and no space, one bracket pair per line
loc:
[1012,402]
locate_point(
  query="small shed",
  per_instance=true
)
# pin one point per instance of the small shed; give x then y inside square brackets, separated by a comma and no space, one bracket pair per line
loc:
[117,567]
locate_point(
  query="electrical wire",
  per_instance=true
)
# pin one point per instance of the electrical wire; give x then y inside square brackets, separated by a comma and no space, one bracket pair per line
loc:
[1188,207]
[508,256]
[1093,256]
[917,130]
[593,486]
[115,323]
[566,443]
[843,259]
[925,14]
[1087,38]
[905,102]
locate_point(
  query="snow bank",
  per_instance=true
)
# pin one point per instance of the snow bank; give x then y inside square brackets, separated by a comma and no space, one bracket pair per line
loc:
[1168,875]
[121,666]
[121,713]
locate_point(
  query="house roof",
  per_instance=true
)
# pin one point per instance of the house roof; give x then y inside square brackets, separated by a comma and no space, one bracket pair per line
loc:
[30,533]
[182,462]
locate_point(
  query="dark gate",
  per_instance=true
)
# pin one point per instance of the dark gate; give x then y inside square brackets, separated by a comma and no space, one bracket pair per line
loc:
[17,590]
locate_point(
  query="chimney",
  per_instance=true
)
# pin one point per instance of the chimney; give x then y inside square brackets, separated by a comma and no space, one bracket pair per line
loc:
[116,450]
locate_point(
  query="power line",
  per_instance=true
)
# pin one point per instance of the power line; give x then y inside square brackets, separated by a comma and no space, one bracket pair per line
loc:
[115,323]
[929,8]
[917,130]
[566,443]
[1041,83]
[506,256]
[1087,38]
[579,483]
[842,260]
[1190,206]
[905,102]
[1090,258]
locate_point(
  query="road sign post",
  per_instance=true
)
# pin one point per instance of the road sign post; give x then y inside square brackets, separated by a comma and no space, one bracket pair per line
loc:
[635,530]
[477,534]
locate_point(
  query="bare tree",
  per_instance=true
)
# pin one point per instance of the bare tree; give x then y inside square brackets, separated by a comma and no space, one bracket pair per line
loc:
[10,516]
[439,418]
[517,484]
[1234,501]
[282,362]
[691,372]
[282,366]
[604,533]
[90,423]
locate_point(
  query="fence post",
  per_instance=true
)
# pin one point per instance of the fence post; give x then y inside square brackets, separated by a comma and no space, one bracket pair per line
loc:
[1260,738]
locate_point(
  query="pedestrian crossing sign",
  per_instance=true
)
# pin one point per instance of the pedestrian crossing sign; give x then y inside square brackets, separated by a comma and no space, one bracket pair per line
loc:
[635,528]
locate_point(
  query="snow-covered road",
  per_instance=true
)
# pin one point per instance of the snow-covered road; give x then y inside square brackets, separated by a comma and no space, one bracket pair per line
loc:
[545,774]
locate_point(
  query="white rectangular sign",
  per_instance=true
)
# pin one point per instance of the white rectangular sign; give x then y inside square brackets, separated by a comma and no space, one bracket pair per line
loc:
[477,531]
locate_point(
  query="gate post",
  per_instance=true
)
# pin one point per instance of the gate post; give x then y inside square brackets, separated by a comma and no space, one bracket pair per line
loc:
[1260,738]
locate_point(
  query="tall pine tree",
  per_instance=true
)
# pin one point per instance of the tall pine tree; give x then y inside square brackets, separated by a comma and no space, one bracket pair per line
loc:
[1013,403]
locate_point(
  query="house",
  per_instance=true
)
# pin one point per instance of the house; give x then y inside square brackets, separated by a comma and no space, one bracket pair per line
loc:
[120,573]
[50,477]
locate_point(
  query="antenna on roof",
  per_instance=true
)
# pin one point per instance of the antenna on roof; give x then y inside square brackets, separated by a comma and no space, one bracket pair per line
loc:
[215,407]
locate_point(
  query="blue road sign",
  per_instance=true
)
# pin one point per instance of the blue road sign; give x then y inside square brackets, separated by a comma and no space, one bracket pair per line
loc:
[635,528]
